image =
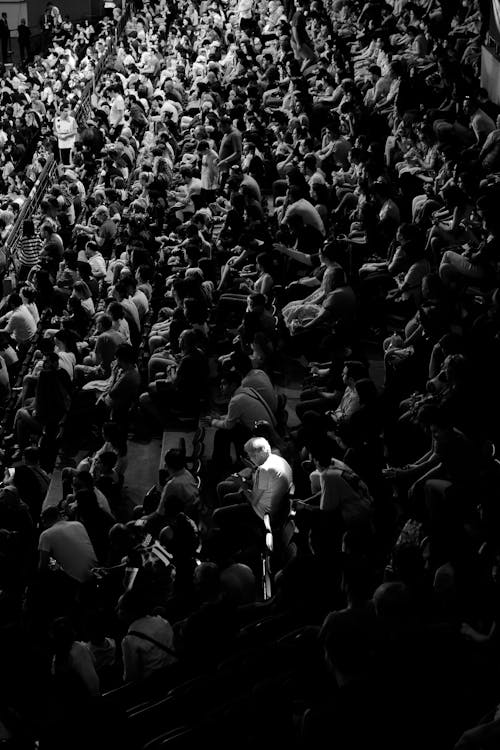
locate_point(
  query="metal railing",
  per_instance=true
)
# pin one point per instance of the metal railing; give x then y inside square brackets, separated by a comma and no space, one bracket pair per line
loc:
[39,189]
[85,105]
[30,206]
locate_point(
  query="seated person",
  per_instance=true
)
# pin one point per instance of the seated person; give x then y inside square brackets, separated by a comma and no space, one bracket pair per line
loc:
[269,493]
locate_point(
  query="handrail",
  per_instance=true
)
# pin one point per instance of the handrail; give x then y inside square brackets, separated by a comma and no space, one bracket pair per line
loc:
[85,105]
[30,206]
[32,203]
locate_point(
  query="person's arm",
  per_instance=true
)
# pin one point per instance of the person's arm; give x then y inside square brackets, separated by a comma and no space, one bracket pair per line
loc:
[322,317]
[84,667]
[297,255]
[43,560]
[473,635]
[131,661]
[232,417]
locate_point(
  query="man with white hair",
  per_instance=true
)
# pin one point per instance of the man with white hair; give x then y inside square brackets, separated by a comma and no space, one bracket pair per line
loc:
[267,492]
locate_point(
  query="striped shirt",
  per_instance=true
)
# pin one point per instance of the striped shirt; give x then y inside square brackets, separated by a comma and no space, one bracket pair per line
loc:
[29,251]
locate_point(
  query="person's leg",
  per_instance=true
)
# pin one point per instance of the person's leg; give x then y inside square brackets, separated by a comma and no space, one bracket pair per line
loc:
[65,154]
[24,426]
[454,265]
[416,493]
[319,405]
[158,364]
[149,406]
[155,342]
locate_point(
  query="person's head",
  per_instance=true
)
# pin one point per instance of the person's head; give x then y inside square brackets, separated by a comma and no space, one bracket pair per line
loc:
[86,502]
[230,381]
[226,124]
[104,322]
[456,368]
[470,105]
[375,73]
[436,419]
[106,462]
[64,111]
[352,372]
[116,311]
[258,450]
[174,460]
[238,584]
[50,516]
[321,456]
[28,228]
[81,290]
[329,253]
[256,303]
[241,363]
[14,301]
[91,248]
[125,356]
[207,581]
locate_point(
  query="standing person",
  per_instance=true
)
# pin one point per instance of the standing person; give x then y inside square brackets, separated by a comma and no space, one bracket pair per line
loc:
[24,40]
[209,171]
[5,37]
[29,251]
[65,129]
[230,147]
[117,110]
[51,20]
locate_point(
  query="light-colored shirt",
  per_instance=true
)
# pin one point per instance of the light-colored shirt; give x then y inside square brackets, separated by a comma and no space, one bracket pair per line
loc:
[310,215]
[21,325]
[141,658]
[341,489]
[271,483]
[70,546]
[246,408]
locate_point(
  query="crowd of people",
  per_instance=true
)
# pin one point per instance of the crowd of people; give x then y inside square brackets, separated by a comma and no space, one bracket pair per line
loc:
[32,99]
[267,199]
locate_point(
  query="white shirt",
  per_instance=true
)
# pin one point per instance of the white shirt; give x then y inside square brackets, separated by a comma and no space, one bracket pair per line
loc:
[274,479]
[117,111]
[97,264]
[21,324]
[65,131]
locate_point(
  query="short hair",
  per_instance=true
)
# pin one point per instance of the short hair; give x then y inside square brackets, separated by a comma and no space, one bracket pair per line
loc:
[15,300]
[92,246]
[108,459]
[258,445]
[258,299]
[356,370]
[321,454]
[105,321]
[174,459]
[126,353]
[85,478]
